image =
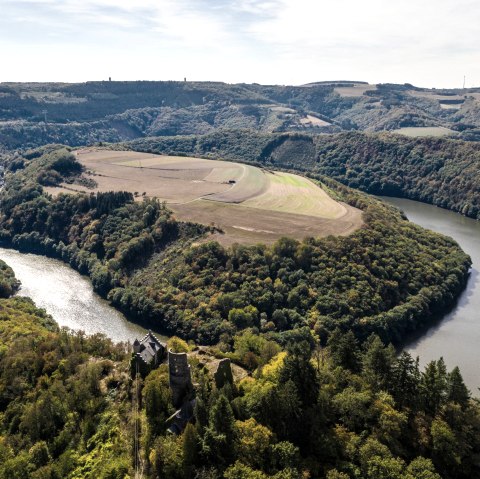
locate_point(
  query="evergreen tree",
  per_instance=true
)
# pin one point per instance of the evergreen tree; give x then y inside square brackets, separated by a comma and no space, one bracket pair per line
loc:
[457,391]
[433,386]
[190,449]
[405,379]
[344,350]
[299,369]
[220,435]
[377,363]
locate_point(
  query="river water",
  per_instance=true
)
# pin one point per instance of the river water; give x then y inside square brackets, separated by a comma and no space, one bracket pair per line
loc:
[70,299]
[457,336]
[68,296]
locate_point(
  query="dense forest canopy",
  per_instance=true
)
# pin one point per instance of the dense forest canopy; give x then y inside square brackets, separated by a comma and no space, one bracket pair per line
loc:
[8,283]
[64,399]
[69,409]
[34,114]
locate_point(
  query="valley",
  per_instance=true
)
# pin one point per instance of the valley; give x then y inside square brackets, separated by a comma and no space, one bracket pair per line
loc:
[240,228]
[239,239]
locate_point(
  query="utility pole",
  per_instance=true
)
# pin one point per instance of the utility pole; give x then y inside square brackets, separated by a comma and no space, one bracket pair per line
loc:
[464,78]
[44,112]
[136,418]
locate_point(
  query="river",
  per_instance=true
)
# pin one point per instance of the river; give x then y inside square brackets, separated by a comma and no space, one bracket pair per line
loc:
[68,296]
[70,299]
[457,336]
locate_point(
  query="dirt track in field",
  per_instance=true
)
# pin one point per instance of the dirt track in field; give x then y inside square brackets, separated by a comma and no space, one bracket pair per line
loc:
[241,224]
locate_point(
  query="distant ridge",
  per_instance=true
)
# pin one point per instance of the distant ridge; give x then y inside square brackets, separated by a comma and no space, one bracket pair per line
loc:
[336,82]
[78,114]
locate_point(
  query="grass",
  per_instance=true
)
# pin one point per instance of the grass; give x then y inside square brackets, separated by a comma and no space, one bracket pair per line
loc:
[295,194]
[250,184]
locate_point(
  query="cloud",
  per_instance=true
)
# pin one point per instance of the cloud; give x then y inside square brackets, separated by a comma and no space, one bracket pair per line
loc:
[274,41]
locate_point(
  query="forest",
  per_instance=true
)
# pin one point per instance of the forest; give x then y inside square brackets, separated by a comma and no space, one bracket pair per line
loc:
[343,411]
[324,395]
[389,278]
[63,399]
[110,111]
[8,283]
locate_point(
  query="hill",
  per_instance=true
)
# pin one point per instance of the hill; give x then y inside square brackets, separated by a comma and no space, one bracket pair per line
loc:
[388,277]
[81,114]
[70,409]
[62,399]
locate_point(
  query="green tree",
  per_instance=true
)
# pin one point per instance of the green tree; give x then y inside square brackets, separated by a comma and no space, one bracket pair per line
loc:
[284,455]
[253,442]
[157,399]
[190,449]
[334,474]
[298,368]
[444,445]
[241,471]
[344,350]
[377,363]
[244,317]
[422,468]
[405,381]
[433,386]
[456,389]
[219,439]
[353,407]
[166,457]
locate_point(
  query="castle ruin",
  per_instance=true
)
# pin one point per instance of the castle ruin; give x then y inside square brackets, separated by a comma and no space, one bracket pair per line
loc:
[180,378]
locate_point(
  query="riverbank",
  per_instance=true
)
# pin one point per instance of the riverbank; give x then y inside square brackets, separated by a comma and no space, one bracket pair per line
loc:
[68,296]
[70,299]
[457,335]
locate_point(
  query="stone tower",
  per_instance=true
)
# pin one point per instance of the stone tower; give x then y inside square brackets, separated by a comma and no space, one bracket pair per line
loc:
[180,378]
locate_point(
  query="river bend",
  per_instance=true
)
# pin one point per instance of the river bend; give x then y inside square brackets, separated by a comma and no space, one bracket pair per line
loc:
[70,299]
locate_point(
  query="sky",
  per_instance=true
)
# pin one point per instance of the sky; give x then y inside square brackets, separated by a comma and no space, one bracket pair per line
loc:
[429,43]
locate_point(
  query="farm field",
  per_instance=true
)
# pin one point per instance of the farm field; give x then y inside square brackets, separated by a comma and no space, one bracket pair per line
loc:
[248,204]
[449,106]
[313,121]
[295,194]
[434,96]
[242,224]
[419,131]
[357,90]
